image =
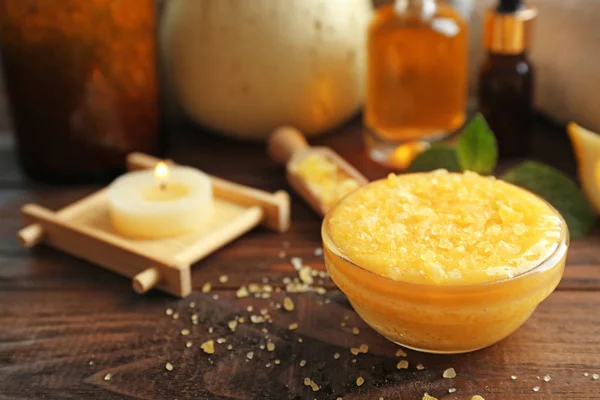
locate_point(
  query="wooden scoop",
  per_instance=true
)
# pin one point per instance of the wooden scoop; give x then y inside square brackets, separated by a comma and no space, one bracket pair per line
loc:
[287,146]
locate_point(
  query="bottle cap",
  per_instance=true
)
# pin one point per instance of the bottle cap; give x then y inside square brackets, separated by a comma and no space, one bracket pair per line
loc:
[508,32]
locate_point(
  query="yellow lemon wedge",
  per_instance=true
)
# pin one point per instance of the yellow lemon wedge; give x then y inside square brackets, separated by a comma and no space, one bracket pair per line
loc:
[587,152]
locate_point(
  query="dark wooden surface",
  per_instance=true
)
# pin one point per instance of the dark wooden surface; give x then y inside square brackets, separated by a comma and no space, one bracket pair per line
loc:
[65,324]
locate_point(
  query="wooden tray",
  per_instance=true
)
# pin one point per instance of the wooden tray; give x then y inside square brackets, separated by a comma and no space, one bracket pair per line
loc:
[83,229]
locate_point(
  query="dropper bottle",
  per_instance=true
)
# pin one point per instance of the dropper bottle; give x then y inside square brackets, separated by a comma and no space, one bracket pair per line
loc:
[507,76]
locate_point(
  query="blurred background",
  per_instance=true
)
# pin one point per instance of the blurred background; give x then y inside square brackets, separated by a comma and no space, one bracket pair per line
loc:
[564,51]
[566,55]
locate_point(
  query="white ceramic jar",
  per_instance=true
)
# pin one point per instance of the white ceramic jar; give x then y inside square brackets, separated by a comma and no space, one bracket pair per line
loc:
[245,67]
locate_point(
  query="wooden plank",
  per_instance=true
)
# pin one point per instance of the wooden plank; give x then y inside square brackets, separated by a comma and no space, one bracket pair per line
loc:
[59,313]
[52,341]
[250,259]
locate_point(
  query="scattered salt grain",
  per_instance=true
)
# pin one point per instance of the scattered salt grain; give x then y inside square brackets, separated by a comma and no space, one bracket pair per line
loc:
[355,331]
[302,363]
[108,376]
[232,325]
[318,252]
[169,366]
[595,377]
[451,390]
[293,326]
[270,346]
[536,389]
[420,367]
[208,346]
[253,287]
[288,304]
[305,276]
[206,287]
[223,279]
[185,332]
[359,381]
[513,377]
[250,355]
[169,311]
[449,373]
[336,355]
[242,292]
[547,378]
[296,262]
[188,344]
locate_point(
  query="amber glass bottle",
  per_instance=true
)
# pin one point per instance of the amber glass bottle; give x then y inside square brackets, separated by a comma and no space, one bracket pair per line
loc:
[507,77]
[416,75]
[82,84]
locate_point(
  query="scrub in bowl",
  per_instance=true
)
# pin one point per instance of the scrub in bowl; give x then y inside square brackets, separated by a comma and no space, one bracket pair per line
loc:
[444,262]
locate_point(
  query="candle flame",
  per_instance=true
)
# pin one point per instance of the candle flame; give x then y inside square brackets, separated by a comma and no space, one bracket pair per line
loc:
[161,171]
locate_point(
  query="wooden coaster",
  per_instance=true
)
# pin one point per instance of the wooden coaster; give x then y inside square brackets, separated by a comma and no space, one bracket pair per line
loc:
[83,229]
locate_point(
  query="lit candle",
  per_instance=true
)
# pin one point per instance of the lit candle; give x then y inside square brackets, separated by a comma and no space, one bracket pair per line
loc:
[167,202]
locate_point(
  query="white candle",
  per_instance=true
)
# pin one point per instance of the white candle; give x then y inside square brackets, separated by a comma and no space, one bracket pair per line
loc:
[167,202]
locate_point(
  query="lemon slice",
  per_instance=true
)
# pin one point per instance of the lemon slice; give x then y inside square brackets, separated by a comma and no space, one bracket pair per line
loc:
[587,152]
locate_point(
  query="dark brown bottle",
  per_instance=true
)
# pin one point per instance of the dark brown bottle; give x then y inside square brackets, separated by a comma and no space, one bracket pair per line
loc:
[81,78]
[507,77]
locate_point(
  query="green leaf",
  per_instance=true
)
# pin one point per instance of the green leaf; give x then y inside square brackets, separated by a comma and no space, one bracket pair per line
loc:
[557,189]
[477,148]
[436,157]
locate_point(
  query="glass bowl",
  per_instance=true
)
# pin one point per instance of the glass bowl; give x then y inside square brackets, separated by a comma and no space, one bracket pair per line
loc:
[443,318]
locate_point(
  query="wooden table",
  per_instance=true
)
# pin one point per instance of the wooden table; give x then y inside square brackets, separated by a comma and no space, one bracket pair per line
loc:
[65,325]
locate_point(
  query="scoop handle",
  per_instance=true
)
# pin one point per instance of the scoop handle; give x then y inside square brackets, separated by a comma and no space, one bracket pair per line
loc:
[284,142]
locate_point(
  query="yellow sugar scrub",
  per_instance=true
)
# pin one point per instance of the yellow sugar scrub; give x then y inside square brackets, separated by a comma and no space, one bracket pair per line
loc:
[325,179]
[444,262]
